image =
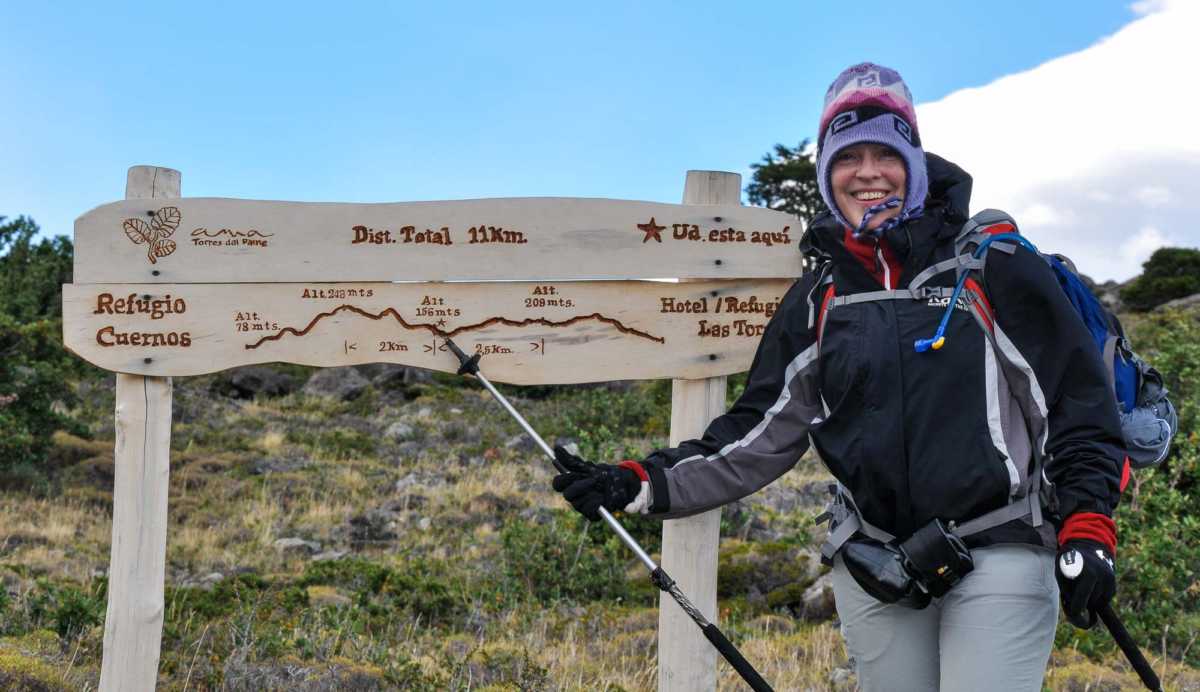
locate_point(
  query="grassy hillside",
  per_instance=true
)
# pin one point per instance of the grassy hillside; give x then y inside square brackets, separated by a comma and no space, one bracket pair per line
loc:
[400,533]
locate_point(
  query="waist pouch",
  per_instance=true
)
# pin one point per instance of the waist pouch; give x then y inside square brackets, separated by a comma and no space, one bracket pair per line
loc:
[936,558]
[925,566]
[879,570]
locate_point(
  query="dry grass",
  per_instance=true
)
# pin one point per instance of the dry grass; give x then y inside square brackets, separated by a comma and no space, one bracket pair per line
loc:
[226,516]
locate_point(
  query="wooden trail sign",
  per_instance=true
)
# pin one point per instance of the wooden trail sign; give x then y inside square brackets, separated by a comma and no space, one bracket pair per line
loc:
[236,240]
[548,290]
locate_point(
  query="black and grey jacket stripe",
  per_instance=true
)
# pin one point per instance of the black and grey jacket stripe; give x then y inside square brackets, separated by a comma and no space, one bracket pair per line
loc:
[953,434]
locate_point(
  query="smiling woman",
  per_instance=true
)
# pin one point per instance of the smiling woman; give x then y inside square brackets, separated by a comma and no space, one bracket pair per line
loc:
[865,175]
[943,534]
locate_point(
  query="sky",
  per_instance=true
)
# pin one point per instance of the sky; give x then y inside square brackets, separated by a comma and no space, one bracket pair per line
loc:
[1071,115]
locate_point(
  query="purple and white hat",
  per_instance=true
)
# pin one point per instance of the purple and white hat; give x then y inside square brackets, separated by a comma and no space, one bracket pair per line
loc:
[871,103]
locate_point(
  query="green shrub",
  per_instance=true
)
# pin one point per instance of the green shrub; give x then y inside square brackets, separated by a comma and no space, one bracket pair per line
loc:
[559,560]
[34,389]
[419,588]
[1171,272]
[32,274]
[34,367]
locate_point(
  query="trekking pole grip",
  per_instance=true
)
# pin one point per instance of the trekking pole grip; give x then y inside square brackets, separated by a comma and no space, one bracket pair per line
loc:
[735,658]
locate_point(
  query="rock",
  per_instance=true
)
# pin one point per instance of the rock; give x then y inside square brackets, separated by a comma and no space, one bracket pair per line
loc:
[212,578]
[296,545]
[276,465]
[425,413]
[1185,302]
[249,381]
[425,523]
[414,481]
[380,373]
[239,675]
[375,526]
[521,443]
[330,555]
[399,431]
[342,383]
[489,505]
[817,603]
[404,504]
[1109,295]
[842,679]
[538,515]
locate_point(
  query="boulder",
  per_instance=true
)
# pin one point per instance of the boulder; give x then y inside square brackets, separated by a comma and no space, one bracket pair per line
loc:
[373,526]
[340,383]
[251,380]
[276,465]
[817,602]
[297,545]
[1185,302]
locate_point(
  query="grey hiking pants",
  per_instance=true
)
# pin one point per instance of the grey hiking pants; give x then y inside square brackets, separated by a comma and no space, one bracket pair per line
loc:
[992,631]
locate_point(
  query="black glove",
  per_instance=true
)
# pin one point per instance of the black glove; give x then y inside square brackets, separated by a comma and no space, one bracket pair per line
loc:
[1086,580]
[590,486]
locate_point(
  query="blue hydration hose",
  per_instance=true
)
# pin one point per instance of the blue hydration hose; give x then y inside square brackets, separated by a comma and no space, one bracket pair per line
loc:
[939,337]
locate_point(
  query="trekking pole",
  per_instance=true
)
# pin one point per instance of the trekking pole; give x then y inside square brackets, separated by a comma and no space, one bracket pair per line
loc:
[470,366]
[1129,647]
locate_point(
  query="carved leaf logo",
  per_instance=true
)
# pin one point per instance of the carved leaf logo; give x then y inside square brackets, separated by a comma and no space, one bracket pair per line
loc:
[156,233]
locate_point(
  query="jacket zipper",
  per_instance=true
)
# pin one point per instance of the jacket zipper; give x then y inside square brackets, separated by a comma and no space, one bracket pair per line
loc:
[880,263]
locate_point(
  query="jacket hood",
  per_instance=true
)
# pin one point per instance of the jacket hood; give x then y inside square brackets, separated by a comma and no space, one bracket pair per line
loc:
[949,200]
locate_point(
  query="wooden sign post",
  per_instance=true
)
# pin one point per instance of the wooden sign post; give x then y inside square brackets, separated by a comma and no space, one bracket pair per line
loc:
[167,286]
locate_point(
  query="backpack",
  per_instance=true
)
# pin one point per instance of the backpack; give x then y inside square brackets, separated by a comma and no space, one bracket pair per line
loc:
[1148,418]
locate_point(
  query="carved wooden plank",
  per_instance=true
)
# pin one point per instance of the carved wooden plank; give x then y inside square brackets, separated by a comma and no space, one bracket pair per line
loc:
[530,333]
[134,620]
[215,240]
[686,660]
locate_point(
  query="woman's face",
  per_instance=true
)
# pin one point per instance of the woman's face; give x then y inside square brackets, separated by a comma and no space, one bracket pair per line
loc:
[864,175]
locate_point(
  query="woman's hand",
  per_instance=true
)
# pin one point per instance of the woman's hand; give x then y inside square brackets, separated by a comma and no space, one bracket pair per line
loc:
[1086,579]
[588,487]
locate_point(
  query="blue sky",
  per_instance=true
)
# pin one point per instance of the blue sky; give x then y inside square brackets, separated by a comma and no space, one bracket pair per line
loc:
[380,102]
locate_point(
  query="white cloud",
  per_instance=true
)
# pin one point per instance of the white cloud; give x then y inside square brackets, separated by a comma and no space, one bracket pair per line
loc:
[1148,6]
[1139,248]
[1092,148]
[1153,196]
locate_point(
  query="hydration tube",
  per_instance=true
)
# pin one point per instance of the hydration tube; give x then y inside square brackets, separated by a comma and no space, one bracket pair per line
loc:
[938,340]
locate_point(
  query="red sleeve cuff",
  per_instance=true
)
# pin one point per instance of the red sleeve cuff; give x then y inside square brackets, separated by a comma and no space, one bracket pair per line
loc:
[636,468]
[1090,526]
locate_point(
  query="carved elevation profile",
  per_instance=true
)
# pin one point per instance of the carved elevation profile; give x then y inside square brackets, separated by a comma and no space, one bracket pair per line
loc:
[459,330]
[154,234]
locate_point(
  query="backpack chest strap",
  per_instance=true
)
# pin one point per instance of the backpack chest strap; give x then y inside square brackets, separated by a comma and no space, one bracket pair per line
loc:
[963,262]
[920,293]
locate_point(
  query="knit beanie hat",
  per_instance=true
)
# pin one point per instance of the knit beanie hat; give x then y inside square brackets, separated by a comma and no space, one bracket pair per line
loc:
[871,103]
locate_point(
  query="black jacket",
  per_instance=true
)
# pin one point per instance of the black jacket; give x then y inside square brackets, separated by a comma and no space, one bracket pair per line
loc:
[951,433]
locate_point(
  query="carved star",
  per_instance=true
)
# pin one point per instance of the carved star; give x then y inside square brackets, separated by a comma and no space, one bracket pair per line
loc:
[652,230]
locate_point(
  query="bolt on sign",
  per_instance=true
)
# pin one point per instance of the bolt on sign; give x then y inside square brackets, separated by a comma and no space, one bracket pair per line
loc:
[553,290]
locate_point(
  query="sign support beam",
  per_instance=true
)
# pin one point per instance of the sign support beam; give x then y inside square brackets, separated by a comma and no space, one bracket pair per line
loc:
[137,567]
[686,662]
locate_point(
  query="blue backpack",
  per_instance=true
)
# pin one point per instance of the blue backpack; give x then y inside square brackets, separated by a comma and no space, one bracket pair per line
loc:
[1148,419]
